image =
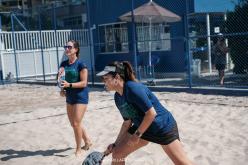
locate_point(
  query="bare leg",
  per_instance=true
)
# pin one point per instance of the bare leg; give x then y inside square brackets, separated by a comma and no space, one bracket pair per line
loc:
[78,131]
[69,109]
[176,153]
[121,151]
[75,115]
[84,136]
[70,114]
[221,75]
[86,139]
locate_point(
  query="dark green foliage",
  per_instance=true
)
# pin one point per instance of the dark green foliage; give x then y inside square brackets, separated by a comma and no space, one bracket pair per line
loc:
[237,22]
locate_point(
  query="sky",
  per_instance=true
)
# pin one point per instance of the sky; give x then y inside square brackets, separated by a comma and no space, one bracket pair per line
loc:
[214,5]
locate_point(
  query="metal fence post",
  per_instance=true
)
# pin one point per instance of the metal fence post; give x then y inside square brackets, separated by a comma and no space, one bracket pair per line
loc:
[209,43]
[0,23]
[55,34]
[2,72]
[91,43]
[1,54]
[134,41]
[41,47]
[187,49]
[14,45]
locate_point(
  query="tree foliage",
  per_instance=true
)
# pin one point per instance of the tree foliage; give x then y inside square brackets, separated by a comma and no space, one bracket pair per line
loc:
[237,23]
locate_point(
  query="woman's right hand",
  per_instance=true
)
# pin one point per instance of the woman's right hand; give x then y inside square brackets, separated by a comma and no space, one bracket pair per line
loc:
[62,93]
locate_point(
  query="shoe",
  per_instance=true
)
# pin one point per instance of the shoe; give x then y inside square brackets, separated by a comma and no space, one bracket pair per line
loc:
[87,146]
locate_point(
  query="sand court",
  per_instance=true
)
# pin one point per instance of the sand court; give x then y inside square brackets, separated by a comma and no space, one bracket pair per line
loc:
[35,129]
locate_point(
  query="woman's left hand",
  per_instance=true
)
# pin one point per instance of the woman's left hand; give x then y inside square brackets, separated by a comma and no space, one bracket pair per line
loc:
[133,140]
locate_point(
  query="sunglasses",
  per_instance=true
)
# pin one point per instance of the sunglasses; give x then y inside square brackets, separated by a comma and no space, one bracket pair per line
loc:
[68,47]
[105,79]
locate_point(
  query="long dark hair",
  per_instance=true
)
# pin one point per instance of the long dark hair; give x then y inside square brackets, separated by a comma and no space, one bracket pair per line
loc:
[124,69]
[75,45]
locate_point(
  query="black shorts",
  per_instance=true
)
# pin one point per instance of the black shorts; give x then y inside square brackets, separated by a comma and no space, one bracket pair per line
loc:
[220,66]
[164,139]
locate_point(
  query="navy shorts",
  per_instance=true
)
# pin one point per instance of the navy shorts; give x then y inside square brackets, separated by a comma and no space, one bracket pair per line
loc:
[220,66]
[77,96]
[163,139]
[77,101]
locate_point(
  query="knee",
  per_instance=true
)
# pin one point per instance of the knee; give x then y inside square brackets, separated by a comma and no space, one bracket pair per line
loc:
[75,125]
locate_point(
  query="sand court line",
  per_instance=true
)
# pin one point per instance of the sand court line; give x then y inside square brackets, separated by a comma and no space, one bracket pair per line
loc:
[39,118]
[45,117]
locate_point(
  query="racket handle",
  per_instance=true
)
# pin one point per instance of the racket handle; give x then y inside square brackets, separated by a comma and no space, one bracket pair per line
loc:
[105,153]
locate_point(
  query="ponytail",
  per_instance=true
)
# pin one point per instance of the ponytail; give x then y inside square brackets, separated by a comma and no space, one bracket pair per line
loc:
[129,74]
[124,69]
[78,52]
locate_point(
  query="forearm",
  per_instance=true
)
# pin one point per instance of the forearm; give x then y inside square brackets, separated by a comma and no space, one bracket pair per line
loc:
[124,129]
[80,84]
[83,80]
[147,121]
[122,134]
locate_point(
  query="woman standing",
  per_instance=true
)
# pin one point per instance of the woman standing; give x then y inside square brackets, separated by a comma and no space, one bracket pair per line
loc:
[220,51]
[145,119]
[74,87]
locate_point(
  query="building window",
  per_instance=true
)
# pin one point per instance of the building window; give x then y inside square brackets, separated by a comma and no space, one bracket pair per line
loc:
[73,22]
[160,37]
[113,37]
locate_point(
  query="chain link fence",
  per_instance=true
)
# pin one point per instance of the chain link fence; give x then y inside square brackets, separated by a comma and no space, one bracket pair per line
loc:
[163,53]
[155,46]
[31,46]
[206,31]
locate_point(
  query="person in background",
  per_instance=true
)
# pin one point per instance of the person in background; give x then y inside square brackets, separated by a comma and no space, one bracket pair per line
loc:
[145,119]
[220,49]
[74,88]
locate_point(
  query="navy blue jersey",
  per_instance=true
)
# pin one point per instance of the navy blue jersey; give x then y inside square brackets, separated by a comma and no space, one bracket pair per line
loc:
[72,75]
[136,100]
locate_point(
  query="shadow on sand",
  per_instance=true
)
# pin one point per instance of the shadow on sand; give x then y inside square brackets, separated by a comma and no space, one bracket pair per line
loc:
[11,154]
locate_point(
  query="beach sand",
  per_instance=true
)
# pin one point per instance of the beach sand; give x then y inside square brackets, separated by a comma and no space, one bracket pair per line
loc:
[34,128]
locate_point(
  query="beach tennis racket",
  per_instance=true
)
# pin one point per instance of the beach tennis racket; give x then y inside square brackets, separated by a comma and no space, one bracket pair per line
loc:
[94,158]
